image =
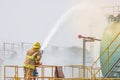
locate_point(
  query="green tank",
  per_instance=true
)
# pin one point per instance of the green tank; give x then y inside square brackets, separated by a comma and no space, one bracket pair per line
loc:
[111,31]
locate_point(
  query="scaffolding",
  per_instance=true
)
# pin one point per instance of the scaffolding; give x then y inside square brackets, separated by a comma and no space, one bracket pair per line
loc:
[9,48]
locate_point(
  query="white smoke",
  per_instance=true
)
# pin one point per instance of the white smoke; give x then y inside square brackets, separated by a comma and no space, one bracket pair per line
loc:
[78,20]
[55,55]
[87,19]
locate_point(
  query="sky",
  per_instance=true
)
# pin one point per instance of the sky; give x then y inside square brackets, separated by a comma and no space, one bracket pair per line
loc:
[33,20]
[30,20]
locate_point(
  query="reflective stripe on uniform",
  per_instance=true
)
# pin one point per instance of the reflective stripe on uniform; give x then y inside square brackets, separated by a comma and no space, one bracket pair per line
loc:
[28,66]
[29,57]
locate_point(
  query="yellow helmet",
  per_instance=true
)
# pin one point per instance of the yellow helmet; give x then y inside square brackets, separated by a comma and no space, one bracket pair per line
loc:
[36,45]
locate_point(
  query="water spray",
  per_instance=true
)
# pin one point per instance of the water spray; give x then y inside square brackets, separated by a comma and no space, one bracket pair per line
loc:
[52,32]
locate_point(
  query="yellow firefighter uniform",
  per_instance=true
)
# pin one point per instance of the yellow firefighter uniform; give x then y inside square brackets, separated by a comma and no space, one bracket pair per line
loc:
[33,57]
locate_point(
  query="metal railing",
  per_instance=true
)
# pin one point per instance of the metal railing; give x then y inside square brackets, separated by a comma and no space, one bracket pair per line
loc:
[107,59]
[15,72]
[16,75]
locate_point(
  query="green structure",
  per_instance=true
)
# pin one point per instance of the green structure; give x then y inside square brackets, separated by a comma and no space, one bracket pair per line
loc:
[110,48]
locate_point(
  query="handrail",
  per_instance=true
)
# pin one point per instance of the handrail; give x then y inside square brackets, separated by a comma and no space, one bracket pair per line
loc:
[107,59]
[104,52]
[54,78]
[106,49]
[114,65]
[16,68]
[88,68]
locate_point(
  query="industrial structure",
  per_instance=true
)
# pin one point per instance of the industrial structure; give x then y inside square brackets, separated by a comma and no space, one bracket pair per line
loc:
[109,59]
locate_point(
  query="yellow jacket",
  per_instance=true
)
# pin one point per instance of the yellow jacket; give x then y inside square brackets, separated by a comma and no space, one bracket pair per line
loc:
[32,58]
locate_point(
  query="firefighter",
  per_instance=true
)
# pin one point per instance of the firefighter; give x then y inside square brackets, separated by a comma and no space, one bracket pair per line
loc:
[33,57]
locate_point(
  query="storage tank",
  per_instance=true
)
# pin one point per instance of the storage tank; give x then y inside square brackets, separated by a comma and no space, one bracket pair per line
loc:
[111,31]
